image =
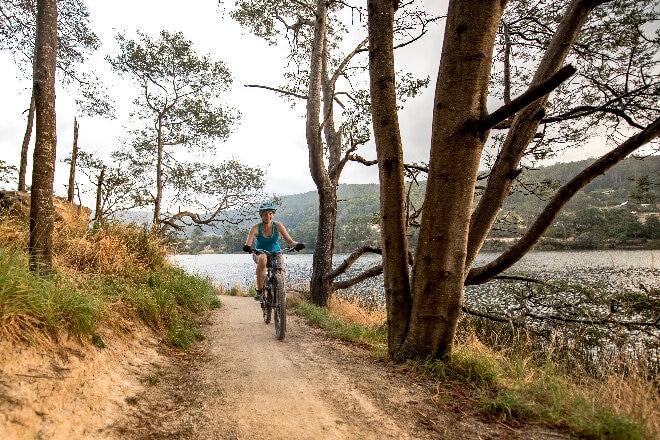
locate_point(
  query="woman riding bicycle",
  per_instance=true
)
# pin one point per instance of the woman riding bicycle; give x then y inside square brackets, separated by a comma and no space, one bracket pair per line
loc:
[266,235]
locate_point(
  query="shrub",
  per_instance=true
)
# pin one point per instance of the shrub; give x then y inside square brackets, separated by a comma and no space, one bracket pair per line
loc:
[116,273]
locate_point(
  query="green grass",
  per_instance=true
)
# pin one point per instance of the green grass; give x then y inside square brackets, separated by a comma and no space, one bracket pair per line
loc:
[465,365]
[513,390]
[29,303]
[508,388]
[168,300]
[183,334]
[321,317]
[553,400]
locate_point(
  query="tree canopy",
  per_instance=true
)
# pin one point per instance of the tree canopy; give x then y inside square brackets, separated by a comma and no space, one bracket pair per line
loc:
[179,109]
[76,41]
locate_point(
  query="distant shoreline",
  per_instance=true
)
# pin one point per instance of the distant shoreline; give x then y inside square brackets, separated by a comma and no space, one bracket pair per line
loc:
[489,246]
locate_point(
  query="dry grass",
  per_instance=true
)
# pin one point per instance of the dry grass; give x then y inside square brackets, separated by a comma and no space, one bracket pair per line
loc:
[527,386]
[14,233]
[116,249]
[515,383]
[114,276]
[350,312]
[70,220]
[25,327]
[236,290]
[632,394]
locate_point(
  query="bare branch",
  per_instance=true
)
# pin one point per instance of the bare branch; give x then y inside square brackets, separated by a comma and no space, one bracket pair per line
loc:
[362,160]
[278,90]
[532,94]
[369,273]
[514,253]
[348,262]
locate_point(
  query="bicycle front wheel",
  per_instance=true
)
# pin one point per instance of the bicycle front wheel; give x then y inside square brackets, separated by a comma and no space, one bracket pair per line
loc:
[265,308]
[280,308]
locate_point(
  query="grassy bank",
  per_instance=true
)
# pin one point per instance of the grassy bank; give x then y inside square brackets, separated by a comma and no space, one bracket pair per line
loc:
[516,384]
[113,276]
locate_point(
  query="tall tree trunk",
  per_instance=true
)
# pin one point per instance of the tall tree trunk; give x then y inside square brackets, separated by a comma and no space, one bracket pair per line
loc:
[43,170]
[22,169]
[159,179]
[74,157]
[320,285]
[322,262]
[507,63]
[390,167]
[98,210]
[450,236]
[456,147]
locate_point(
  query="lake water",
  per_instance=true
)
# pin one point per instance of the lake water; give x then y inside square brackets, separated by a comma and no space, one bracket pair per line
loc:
[611,269]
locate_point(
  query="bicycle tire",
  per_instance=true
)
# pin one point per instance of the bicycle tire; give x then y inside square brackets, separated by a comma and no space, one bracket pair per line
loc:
[280,310]
[266,309]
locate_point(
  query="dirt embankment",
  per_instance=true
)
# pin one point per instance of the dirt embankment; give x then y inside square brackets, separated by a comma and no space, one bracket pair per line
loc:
[239,383]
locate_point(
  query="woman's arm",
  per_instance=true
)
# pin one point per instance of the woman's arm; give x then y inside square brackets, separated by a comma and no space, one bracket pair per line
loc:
[254,230]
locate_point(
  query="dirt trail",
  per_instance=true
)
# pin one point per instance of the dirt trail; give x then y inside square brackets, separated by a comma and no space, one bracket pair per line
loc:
[241,383]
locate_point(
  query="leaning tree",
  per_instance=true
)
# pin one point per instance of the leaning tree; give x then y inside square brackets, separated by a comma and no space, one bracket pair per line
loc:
[327,65]
[179,110]
[594,72]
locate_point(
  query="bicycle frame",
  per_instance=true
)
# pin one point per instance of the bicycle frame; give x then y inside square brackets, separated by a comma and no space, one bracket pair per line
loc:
[273,265]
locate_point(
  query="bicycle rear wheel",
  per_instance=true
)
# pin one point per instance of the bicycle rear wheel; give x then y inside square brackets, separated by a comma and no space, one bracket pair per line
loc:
[280,308]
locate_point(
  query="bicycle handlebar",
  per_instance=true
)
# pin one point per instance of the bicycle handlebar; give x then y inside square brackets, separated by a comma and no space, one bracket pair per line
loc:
[263,251]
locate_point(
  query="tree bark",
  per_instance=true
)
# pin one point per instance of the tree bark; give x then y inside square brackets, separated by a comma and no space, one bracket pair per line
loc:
[98,210]
[322,260]
[22,169]
[43,170]
[435,294]
[320,283]
[159,178]
[74,157]
[456,148]
[390,168]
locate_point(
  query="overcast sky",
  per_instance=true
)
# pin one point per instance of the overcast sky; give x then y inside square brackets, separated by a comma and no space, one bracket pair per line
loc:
[271,134]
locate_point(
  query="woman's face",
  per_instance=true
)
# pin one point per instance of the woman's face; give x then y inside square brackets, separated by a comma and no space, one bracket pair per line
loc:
[267,216]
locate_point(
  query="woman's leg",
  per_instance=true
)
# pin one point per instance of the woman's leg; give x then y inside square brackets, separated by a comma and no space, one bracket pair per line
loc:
[261,270]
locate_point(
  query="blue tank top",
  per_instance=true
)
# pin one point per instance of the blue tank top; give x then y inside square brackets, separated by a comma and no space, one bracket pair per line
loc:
[269,244]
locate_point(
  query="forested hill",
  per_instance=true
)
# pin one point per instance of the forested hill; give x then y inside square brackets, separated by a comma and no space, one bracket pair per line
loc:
[613,210]
[355,200]
[617,186]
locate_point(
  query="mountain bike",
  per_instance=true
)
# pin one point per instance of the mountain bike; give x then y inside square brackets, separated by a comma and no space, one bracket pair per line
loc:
[274,296]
